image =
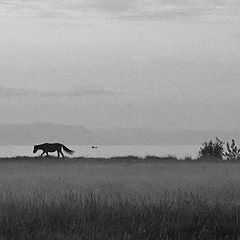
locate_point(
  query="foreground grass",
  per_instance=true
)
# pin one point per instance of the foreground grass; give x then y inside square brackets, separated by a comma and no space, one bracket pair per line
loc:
[93,216]
[90,199]
[130,158]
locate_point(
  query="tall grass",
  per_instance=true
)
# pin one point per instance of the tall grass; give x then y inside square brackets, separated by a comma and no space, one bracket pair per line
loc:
[95,216]
[72,199]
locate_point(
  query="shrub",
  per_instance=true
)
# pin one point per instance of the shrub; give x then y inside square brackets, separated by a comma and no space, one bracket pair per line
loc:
[233,151]
[212,149]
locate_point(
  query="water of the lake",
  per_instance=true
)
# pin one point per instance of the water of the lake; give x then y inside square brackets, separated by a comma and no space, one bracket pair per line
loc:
[111,151]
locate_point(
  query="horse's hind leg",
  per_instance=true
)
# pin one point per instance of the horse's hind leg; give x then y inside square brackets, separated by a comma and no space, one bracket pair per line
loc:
[62,153]
[42,154]
[58,154]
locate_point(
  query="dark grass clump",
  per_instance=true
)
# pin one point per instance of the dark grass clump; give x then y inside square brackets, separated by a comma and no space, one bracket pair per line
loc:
[156,158]
[94,216]
[129,158]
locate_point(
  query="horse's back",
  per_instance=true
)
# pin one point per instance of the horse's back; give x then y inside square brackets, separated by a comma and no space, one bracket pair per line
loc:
[52,147]
[52,144]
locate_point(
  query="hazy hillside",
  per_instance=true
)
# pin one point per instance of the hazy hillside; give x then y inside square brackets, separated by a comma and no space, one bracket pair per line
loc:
[148,136]
[38,133]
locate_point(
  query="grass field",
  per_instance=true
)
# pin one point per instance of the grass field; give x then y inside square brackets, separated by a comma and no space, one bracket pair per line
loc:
[118,199]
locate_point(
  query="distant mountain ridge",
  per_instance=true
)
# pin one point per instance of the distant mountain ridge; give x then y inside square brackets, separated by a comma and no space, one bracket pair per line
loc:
[164,137]
[43,132]
[29,134]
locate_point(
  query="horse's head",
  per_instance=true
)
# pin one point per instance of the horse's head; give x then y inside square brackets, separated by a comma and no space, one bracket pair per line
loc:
[35,148]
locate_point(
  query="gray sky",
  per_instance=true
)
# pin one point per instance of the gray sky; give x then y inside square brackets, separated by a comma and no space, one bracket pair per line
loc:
[127,63]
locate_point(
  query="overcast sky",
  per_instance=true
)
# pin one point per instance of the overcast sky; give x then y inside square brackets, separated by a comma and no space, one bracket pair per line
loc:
[121,63]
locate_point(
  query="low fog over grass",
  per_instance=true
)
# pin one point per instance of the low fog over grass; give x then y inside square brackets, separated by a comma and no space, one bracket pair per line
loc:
[69,199]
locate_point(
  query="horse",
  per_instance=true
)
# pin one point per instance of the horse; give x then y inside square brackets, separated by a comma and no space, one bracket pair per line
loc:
[52,147]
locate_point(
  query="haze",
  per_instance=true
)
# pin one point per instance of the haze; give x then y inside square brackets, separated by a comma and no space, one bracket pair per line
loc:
[121,63]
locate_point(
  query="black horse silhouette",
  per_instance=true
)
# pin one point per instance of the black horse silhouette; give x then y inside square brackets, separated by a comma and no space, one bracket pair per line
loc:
[52,147]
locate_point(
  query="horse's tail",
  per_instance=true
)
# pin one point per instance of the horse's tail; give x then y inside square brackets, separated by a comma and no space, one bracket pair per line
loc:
[67,150]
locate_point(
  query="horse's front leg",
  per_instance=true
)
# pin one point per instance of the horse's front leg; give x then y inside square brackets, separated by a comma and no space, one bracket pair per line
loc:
[58,154]
[42,153]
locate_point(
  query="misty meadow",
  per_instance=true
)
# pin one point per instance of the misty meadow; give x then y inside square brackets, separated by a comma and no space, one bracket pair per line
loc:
[121,198]
[119,82]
